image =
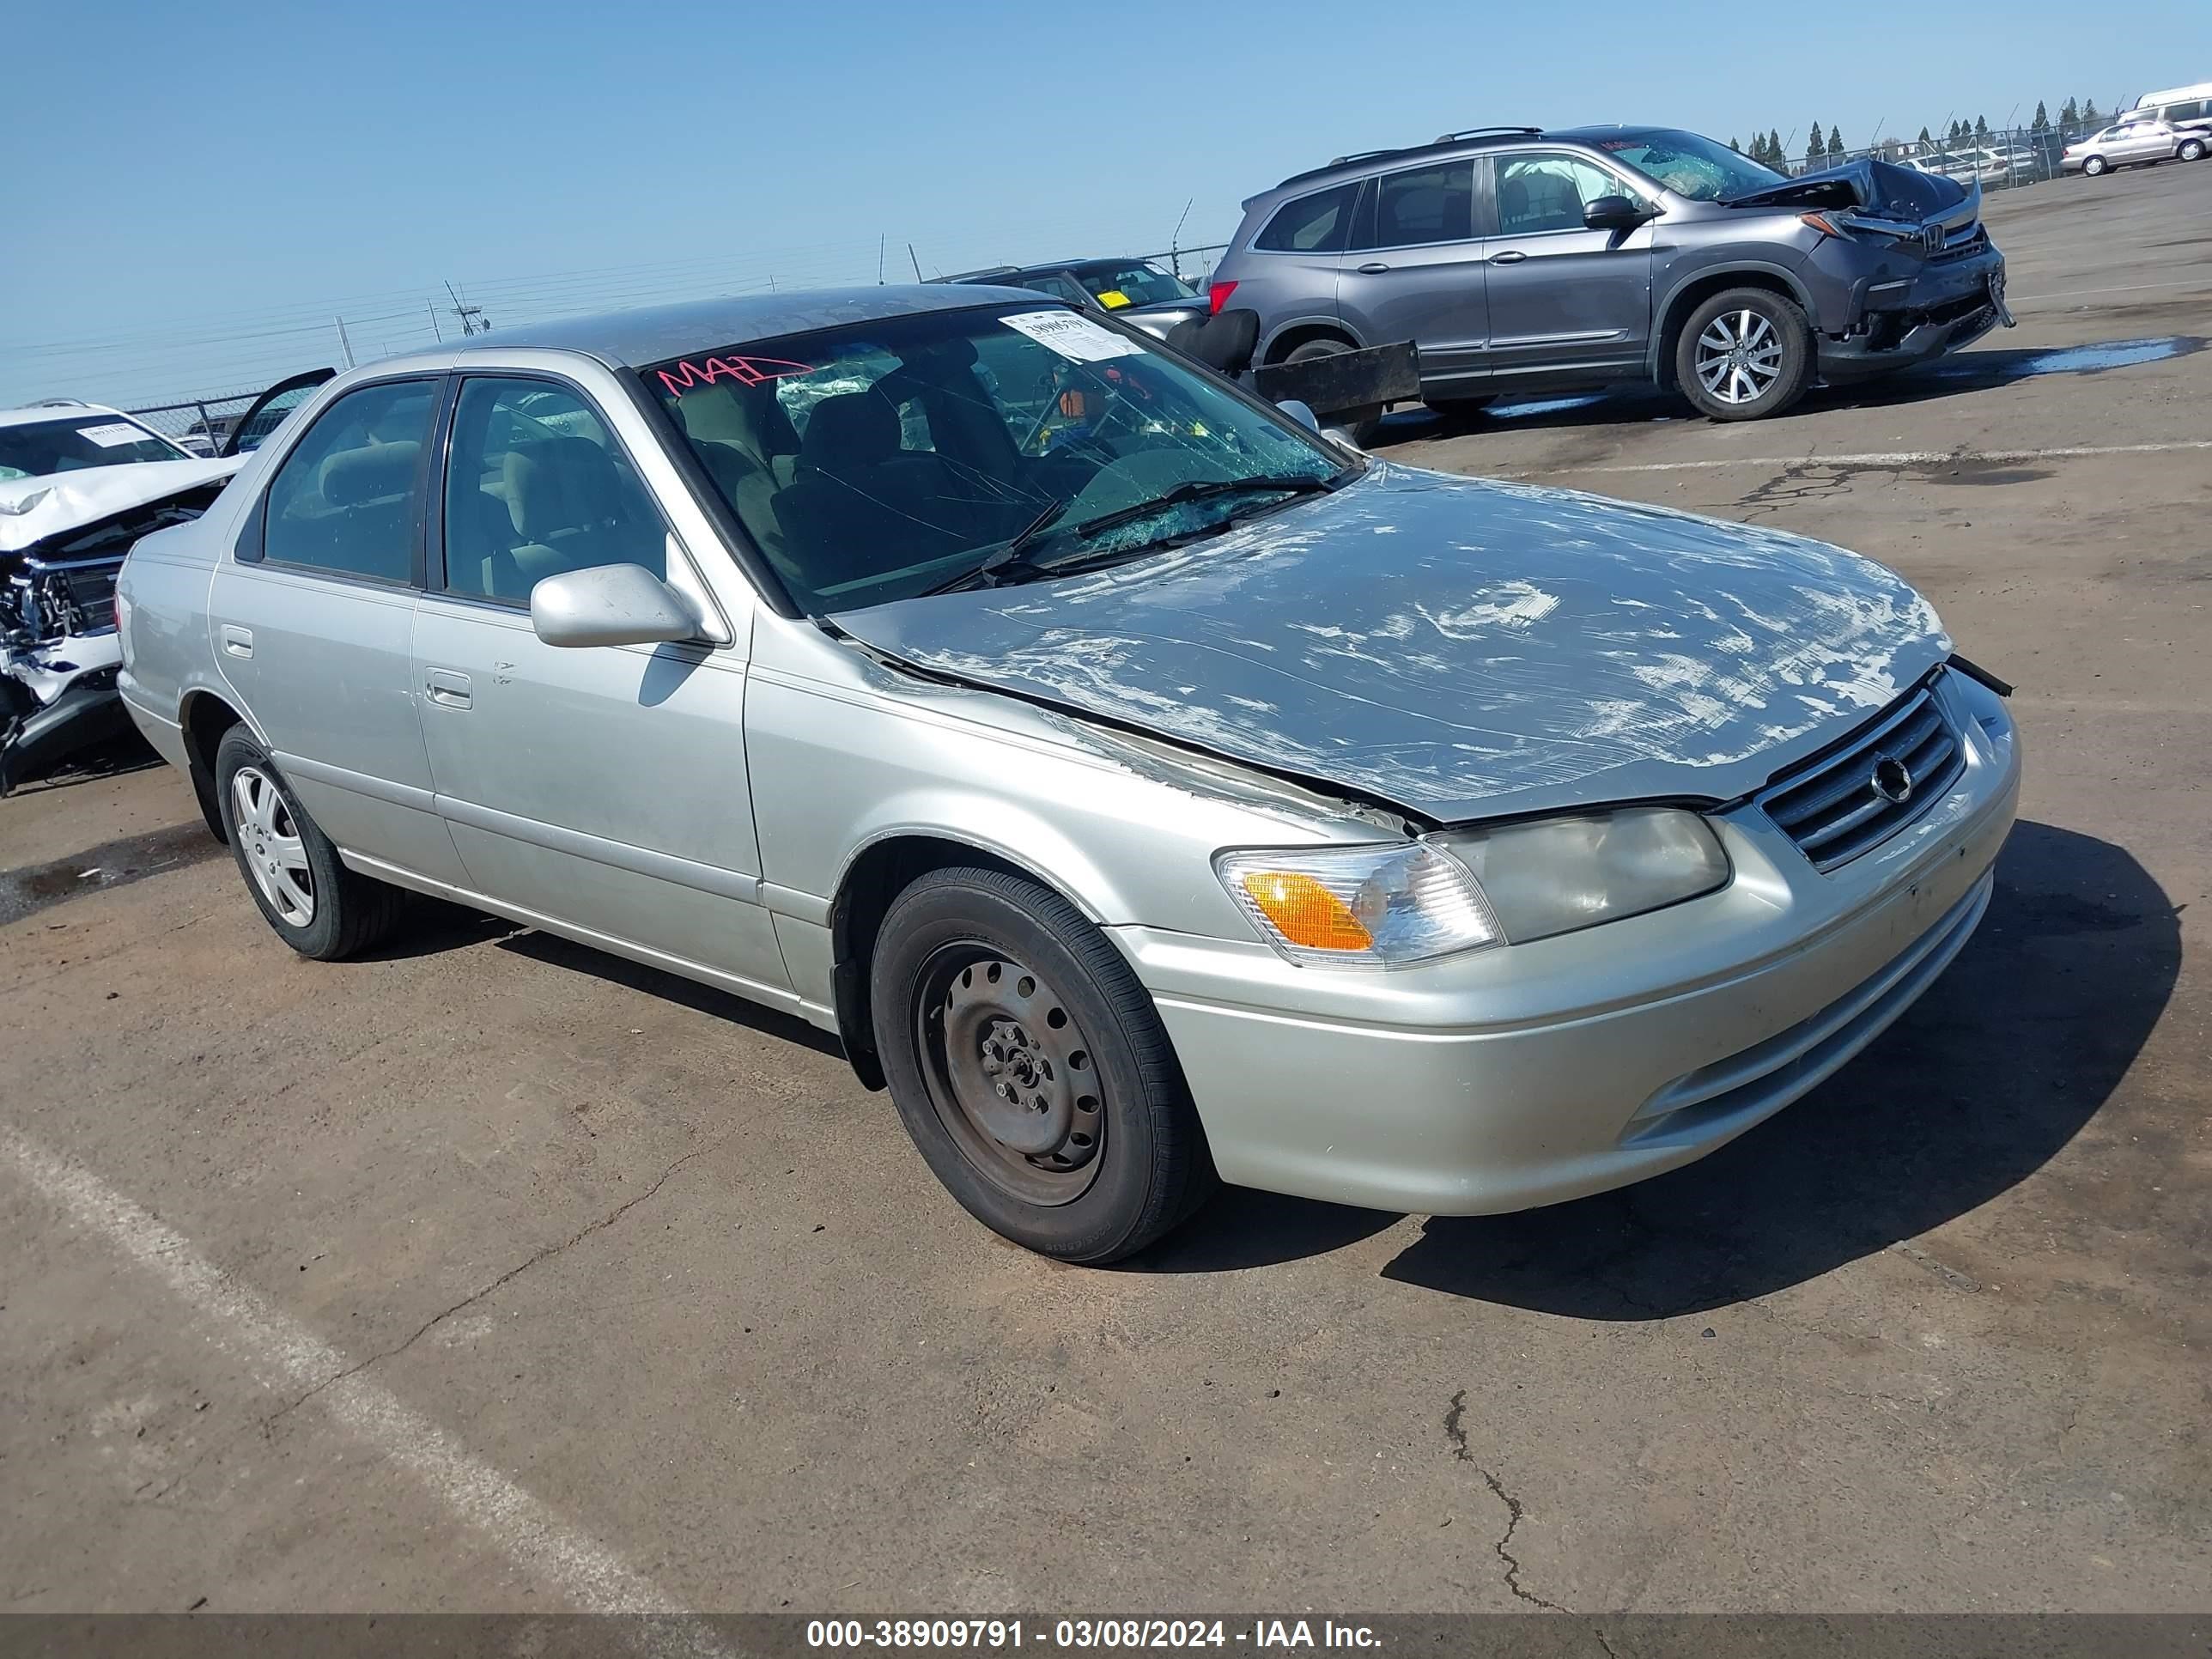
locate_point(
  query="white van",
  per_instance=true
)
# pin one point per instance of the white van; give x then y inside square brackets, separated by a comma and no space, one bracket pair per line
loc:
[2178,106]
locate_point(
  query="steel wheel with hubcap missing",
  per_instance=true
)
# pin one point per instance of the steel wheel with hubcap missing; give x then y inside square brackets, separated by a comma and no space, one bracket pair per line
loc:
[1029,1065]
[1744,353]
[1010,1074]
[269,842]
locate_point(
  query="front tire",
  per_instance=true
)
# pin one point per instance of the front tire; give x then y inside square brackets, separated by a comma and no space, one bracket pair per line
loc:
[1360,424]
[1030,1068]
[305,892]
[2192,150]
[1744,354]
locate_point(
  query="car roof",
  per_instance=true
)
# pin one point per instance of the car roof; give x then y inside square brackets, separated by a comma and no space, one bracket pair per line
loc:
[57,409]
[1362,162]
[628,339]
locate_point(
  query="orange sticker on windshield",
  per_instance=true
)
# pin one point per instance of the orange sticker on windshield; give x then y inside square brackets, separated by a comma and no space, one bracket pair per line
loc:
[746,370]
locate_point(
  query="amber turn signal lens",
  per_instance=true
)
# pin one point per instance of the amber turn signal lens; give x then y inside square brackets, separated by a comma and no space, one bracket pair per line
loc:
[1306,913]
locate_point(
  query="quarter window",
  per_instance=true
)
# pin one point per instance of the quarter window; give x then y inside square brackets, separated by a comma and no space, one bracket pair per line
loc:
[344,500]
[1318,224]
[1430,204]
[536,486]
[1538,193]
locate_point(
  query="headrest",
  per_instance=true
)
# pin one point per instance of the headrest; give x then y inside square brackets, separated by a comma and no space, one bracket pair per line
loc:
[852,430]
[370,473]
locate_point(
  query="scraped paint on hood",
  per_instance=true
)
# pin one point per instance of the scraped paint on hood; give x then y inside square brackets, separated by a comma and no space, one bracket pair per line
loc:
[1459,647]
[32,509]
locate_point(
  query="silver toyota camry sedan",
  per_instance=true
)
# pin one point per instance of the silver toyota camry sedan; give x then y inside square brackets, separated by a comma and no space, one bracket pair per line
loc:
[1147,789]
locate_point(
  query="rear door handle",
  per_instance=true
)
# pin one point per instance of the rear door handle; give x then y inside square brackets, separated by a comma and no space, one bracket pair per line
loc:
[1512,256]
[1373,268]
[237,642]
[446,688]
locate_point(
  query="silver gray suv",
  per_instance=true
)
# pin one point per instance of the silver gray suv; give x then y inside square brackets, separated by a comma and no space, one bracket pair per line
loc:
[1519,260]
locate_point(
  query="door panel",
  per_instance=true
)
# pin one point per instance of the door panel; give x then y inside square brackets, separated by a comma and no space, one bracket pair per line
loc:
[604,786]
[1561,297]
[1420,275]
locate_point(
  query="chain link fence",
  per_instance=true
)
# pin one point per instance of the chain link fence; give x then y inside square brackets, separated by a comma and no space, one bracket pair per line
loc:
[1996,159]
[200,424]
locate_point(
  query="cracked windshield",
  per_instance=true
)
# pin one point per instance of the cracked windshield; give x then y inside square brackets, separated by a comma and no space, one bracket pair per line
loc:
[973,447]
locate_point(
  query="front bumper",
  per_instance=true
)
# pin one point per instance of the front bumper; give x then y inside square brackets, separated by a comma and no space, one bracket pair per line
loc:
[1896,322]
[1541,1072]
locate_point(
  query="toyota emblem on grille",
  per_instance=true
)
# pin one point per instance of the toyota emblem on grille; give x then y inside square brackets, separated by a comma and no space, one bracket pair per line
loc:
[1891,780]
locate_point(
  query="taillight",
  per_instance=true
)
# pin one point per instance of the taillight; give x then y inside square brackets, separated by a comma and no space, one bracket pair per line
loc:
[1217,295]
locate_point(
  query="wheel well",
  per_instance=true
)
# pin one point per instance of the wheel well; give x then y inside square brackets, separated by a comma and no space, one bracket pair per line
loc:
[205,717]
[877,878]
[1695,293]
[1291,339]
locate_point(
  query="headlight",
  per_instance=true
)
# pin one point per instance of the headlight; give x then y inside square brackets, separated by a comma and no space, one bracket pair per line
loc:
[1387,906]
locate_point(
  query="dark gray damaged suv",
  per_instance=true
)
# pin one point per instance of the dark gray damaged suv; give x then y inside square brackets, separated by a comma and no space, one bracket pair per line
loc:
[1521,260]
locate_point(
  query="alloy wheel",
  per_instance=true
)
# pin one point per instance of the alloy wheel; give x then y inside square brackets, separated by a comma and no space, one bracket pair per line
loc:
[268,841]
[1739,356]
[1010,1074]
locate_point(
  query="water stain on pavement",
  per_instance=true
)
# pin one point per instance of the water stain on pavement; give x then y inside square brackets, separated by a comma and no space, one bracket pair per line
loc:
[35,887]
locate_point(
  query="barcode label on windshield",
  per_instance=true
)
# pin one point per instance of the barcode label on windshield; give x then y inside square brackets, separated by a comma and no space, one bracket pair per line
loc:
[113,434]
[1074,336]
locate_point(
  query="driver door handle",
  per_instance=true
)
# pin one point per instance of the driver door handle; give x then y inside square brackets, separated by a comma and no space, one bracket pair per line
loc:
[1373,268]
[1512,256]
[446,688]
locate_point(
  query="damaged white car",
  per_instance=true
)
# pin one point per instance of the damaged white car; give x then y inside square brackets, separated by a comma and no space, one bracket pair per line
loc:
[79,483]
[1148,790]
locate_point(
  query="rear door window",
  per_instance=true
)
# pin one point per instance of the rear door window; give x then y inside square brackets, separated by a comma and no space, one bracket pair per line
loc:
[1428,204]
[1319,223]
[344,501]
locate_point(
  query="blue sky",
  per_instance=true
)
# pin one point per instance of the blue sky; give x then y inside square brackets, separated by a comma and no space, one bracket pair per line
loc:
[198,189]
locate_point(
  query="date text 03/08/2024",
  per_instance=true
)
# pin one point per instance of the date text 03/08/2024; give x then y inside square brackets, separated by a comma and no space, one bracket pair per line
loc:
[1113,1634]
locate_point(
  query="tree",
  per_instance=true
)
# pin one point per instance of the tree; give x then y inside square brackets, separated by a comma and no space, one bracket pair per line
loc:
[1835,143]
[1981,131]
[1735,146]
[1776,157]
[2041,121]
[1927,138]
[1816,147]
[2070,117]
[2089,116]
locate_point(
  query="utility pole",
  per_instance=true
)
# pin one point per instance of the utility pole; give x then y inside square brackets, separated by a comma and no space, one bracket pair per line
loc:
[344,345]
[472,317]
[1175,241]
[434,332]
[882,239]
[917,264]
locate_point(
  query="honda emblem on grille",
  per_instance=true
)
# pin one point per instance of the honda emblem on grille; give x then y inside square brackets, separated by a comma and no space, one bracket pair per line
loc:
[1891,780]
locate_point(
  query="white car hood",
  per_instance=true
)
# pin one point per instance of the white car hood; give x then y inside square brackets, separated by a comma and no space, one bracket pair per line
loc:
[32,509]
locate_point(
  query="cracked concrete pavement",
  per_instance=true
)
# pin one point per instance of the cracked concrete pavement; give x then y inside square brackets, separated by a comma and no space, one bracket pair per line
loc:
[1933,1339]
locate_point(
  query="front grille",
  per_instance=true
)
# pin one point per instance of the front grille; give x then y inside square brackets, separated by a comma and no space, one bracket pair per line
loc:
[1961,240]
[1850,802]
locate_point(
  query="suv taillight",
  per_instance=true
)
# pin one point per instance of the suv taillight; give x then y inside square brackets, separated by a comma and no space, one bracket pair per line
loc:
[1217,295]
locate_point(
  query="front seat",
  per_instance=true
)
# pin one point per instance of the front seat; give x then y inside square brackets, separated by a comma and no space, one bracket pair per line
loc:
[852,509]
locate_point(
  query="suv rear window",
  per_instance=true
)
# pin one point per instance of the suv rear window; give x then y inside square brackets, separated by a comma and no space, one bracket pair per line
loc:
[1319,223]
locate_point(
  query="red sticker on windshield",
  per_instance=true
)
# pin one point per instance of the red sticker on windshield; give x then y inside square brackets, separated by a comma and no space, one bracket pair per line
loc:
[746,370]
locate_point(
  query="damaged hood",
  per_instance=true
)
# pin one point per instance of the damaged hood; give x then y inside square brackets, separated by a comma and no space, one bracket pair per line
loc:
[1457,648]
[1882,188]
[32,509]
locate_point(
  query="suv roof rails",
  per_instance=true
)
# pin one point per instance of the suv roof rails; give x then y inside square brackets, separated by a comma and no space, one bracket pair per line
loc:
[61,402]
[1448,138]
[1480,132]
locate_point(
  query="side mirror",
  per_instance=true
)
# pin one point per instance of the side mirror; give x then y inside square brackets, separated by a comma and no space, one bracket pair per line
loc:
[1301,413]
[611,605]
[1613,213]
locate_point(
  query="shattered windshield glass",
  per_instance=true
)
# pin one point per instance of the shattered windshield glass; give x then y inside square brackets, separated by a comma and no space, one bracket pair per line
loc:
[1689,165]
[883,460]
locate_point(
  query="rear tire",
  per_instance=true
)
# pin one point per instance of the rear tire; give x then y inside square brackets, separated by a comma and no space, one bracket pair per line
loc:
[1030,1068]
[2094,167]
[1361,425]
[1744,354]
[305,892]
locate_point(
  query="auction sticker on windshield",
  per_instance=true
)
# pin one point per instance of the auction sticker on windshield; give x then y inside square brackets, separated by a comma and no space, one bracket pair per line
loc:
[111,436]
[1074,336]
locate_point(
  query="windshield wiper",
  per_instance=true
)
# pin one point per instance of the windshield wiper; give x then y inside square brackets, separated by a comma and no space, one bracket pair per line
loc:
[1200,489]
[987,575]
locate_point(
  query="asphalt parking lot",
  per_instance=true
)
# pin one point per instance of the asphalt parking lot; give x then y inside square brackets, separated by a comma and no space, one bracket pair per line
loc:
[496,1274]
